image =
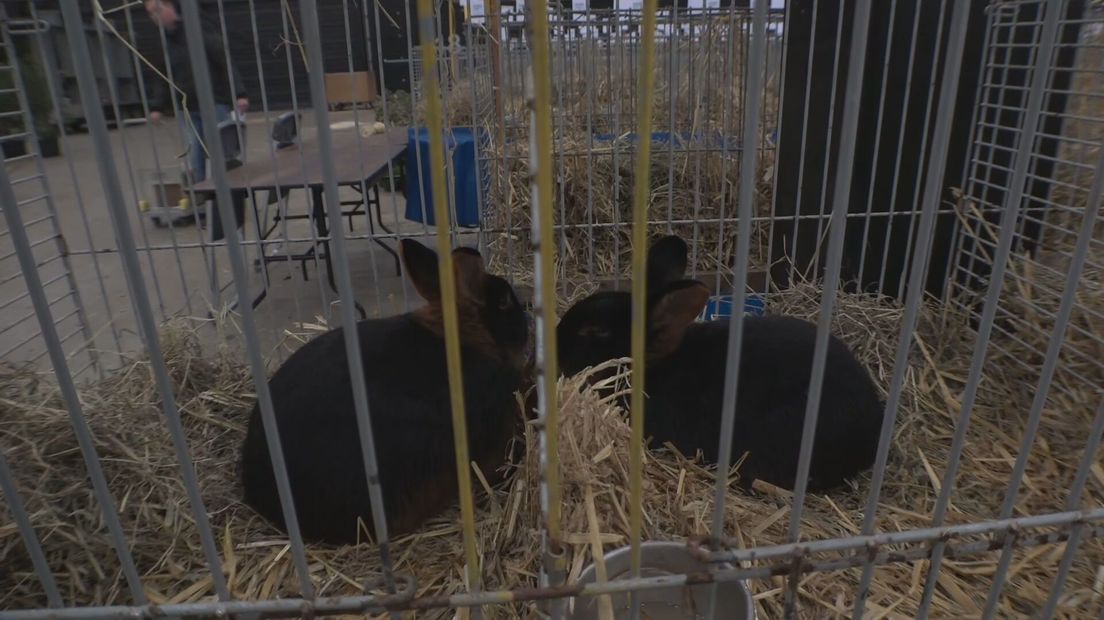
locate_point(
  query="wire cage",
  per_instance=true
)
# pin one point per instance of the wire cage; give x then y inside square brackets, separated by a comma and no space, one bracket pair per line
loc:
[911,188]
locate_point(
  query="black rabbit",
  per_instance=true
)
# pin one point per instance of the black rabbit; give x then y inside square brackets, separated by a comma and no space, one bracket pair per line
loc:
[684,379]
[405,371]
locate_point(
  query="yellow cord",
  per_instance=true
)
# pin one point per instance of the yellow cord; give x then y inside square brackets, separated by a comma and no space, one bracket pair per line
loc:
[542,98]
[439,196]
[298,41]
[639,265]
[383,10]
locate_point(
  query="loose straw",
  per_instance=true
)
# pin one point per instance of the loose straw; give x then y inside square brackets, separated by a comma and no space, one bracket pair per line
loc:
[544,254]
[439,196]
[639,286]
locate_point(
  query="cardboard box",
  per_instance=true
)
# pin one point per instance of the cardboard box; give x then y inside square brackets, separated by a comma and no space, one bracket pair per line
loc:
[173,193]
[358,87]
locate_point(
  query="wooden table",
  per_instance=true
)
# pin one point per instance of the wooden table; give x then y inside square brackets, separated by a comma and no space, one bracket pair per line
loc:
[358,162]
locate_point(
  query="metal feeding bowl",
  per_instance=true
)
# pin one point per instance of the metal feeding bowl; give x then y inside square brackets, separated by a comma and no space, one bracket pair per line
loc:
[687,602]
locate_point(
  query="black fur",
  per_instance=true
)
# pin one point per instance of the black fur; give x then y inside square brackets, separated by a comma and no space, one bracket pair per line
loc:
[406,378]
[685,391]
[685,388]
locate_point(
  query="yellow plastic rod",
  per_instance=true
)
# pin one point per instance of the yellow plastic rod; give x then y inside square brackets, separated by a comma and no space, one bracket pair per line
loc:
[542,113]
[439,196]
[646,85]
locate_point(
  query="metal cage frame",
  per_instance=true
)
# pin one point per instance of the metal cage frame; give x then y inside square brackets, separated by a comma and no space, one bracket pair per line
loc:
[1031,182]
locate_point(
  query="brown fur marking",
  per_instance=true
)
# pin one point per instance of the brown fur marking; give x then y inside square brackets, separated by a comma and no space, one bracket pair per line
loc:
[671,316]
[472,331]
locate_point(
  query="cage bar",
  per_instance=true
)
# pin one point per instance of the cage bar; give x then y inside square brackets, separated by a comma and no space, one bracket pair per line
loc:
[751,117]
[53,343]
[1050,363]
[447,276]
[981,221]
[1007,229]
[198,55]
[918,268]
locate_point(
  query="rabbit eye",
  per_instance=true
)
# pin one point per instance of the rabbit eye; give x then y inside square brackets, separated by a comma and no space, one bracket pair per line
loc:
[505,303]
[594,331]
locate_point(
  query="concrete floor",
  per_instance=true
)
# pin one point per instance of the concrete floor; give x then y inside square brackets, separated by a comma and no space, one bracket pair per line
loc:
[174,266]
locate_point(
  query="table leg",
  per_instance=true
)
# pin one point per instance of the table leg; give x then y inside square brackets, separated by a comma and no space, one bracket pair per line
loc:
[373,200]
[260,250]
[319,213]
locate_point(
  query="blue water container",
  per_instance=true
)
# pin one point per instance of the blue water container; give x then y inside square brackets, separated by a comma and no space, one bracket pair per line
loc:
[720,306]
[463,148]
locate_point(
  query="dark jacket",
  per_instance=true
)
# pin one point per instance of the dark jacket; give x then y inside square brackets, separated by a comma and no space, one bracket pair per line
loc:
[181,65]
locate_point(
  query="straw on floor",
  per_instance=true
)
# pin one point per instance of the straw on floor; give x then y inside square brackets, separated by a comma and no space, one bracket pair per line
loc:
[215,395]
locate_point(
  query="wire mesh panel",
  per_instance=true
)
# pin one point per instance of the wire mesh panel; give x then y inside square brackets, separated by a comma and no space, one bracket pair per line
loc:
[730,310]
[23,128]
[699,86]
[1058,195]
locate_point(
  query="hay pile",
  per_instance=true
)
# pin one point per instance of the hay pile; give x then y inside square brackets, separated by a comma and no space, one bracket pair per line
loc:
[694,177]
[215,395]
[1026,317]
[399,108]
[1035,281]
[138,460]
[699,80]
[937,374]
[698,188]
[459,105]
[1036,273]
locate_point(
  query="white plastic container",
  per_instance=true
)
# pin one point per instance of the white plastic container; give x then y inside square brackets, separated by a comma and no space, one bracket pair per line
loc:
[659,558]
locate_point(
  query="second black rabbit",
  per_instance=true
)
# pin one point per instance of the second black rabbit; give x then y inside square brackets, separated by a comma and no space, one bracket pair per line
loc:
[685,376]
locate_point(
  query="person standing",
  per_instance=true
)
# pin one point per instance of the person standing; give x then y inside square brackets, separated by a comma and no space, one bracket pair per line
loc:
[226,81]
[226,84]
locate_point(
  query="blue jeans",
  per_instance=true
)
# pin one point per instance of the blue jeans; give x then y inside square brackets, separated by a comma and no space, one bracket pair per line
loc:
[197,156]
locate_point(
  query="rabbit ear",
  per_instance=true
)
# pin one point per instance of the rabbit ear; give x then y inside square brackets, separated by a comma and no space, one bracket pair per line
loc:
[666,262]
[421,268]
[673,311]
[468,266]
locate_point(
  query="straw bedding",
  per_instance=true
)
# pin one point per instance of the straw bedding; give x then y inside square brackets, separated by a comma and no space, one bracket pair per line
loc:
[214,394]
[594,189]
[694,175]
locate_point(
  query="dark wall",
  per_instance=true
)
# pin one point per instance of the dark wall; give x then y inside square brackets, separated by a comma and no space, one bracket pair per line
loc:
[281,82]
[905,133]
[281,64]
